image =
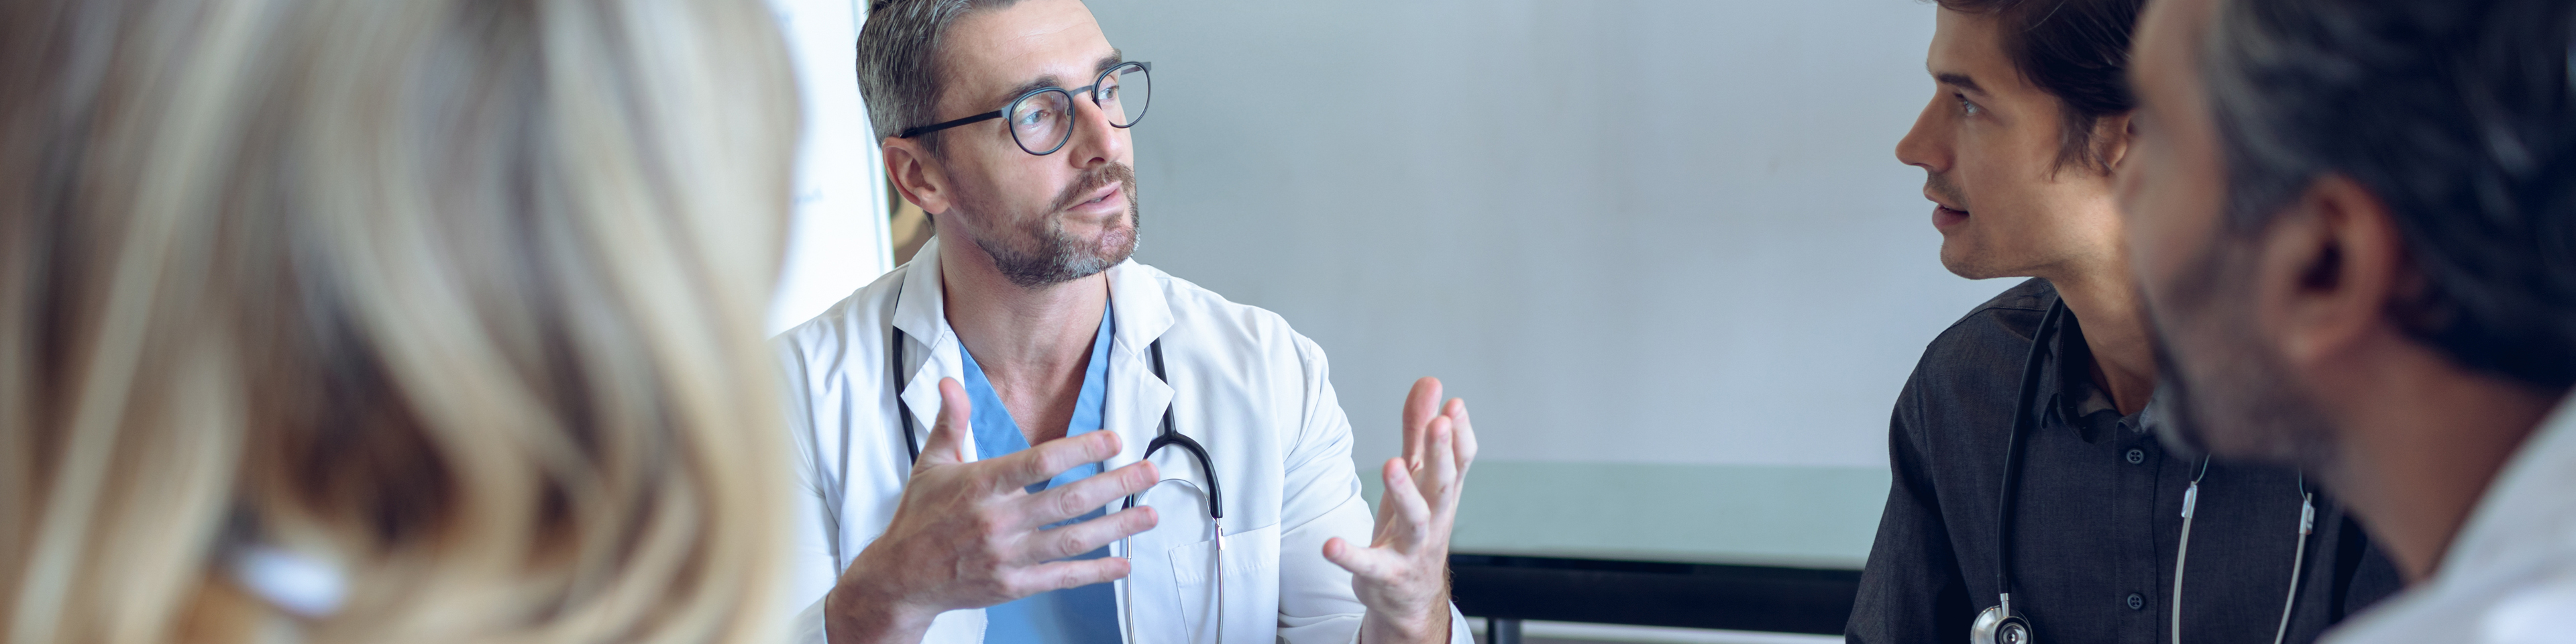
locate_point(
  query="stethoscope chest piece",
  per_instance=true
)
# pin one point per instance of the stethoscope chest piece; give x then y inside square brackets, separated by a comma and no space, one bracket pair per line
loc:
[1995,627]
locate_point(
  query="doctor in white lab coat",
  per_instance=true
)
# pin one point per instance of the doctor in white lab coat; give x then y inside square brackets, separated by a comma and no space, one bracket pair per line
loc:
[1241,382]
[1036,220]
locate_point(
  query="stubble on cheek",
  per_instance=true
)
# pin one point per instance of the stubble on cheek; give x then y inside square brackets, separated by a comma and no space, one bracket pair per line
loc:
[1035,249]
[2238,396]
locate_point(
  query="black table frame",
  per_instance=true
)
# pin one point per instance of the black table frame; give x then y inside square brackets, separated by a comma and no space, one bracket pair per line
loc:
[1505,589]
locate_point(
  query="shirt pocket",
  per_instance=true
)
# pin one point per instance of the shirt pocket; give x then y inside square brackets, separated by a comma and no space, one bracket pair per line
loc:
[1243,603]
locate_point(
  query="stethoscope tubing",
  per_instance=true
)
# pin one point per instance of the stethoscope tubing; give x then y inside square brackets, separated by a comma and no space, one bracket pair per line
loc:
[2029,393]
[1165,436]
[2022,422]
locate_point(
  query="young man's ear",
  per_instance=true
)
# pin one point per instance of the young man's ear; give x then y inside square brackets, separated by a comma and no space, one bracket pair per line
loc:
[2331,266]
[916,174]
[2111,137]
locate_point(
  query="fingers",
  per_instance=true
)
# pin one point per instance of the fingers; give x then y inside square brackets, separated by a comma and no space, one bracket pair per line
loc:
[1368,563]
[1081,497]
[1440,467]
[1067,574]
[1411,512]
[1029,466]
[947,442]
[1419,406]
[1466,435]
[1059,543]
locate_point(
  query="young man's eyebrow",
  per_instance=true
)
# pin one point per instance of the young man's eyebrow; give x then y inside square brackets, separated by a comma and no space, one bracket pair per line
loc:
[1112,60]
[1961,81]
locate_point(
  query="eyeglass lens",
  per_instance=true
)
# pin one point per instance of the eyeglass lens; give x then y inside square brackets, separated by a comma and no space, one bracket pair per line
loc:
[1043,122]
[1123,94]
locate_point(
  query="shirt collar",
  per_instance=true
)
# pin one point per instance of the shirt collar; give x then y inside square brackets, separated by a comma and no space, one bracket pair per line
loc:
[1136,297]
[2527,516]
[2070,396]
[998,433]
[921,306]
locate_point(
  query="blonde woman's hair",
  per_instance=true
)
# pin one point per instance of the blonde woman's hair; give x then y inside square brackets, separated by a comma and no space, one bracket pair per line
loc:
[461,296]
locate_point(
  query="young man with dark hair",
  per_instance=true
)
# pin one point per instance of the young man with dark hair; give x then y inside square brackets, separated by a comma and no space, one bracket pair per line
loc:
[2356,229]
[2031,498]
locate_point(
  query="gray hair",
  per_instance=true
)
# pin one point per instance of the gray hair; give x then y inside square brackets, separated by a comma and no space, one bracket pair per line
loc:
[899,65]
[2459,115]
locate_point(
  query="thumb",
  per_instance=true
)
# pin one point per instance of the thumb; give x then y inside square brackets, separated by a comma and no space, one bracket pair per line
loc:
[947,442]
[1365,563]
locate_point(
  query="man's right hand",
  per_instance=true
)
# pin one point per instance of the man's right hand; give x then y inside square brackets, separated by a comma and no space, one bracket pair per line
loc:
[968,535]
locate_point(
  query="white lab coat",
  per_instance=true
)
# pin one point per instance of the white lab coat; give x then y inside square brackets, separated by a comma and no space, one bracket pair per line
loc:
[2509,577]
[1250,389]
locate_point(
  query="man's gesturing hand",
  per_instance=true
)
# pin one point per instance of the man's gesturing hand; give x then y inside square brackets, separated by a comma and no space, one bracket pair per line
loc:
[1403,576]
[967,535]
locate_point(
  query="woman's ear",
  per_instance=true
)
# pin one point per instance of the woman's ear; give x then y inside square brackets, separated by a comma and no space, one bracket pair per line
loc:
[917,174]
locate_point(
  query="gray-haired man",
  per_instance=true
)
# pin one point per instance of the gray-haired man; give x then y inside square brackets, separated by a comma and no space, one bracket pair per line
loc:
[1062,383]
[2355,222]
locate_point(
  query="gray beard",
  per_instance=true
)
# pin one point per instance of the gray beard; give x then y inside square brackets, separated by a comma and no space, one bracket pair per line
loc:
[1046,255]
[1057,258]
[2229,393]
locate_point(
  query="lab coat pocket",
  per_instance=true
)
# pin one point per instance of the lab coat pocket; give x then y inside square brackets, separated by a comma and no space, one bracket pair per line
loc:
[1244,603]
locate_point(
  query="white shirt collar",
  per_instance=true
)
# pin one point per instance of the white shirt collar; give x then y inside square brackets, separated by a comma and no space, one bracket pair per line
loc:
[1141,308]
[2528,515]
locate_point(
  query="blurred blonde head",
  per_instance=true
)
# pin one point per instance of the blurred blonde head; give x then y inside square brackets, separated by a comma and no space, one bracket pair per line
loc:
[461,297]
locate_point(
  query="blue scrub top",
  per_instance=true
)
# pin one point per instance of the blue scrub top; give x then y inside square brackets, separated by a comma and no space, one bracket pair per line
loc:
[1085,615]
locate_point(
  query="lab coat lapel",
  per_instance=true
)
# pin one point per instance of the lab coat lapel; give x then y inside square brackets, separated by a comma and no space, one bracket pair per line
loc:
[1137,398]
[922,314]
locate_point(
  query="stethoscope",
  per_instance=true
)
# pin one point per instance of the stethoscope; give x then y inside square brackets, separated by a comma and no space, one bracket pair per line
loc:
[1999,624]
[1166,436]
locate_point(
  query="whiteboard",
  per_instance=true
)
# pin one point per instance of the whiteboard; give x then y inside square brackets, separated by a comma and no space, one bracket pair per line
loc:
[837,238]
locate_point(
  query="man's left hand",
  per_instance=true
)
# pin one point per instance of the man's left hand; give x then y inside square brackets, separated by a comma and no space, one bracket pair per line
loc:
[1403,574]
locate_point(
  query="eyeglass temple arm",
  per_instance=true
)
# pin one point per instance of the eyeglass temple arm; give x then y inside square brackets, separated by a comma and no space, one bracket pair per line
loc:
[926,129]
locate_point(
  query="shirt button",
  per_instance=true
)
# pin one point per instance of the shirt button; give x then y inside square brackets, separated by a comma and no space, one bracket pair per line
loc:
[2137,601]
[2137,456]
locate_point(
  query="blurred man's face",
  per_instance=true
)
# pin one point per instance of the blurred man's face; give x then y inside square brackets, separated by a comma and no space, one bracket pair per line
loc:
[1989,143]
[2227,379]
[1044,219]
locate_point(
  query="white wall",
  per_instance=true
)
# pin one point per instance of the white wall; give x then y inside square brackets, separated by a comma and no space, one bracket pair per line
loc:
[1662,246]
[1628,231]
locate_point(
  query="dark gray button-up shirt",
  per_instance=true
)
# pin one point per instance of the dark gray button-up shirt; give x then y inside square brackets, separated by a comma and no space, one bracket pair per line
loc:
[2098,520]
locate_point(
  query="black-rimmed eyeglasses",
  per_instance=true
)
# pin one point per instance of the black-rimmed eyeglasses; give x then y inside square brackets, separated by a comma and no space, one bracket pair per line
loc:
[1042,120]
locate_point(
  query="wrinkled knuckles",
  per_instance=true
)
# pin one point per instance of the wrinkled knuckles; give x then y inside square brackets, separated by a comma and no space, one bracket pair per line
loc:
[993,527]
[1067,505]
[1061,547]
[1040,468]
